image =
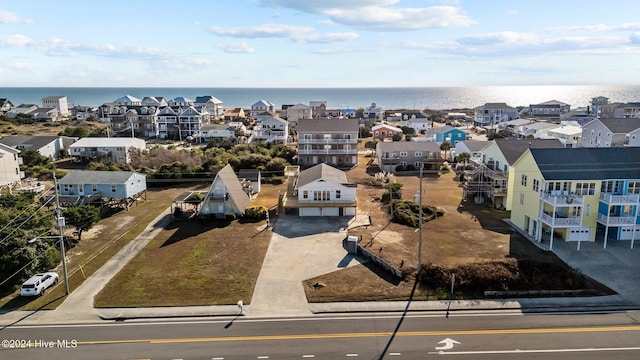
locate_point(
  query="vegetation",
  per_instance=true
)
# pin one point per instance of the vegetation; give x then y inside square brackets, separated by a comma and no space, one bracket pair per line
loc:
[408,212]
[81,217]
[36,165]
[256,212]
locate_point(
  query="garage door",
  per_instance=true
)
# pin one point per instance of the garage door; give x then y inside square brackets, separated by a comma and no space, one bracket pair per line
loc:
[330,212]
[310,212]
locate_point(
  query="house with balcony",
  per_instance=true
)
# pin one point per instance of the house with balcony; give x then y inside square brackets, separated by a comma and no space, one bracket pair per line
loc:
[404,156]
[328,140]
[216,132]
[578,194]
[59,103]
[611,132]
[262,106]
[620,110]
[47,146]
[491,114]
[10,161]
[491,180]
[549,109]
[271,129]
[321,190]
[132,120]
[211,104]
[416,120]
[373,113]
[190,120]
[117,150]
[297,112]
[226,196]
[472,147]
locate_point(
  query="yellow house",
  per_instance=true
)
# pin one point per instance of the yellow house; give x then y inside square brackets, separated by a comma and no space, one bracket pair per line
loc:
[577,194]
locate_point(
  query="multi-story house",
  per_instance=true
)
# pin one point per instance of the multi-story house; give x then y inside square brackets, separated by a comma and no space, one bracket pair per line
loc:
[132,120]
[167,121]
[128,100]
[190,120]
[262,106]
[609,132]
[580,116]
[417,121]
[212,104]
[534,129]
[318,109]
[373,113]
[620,110]
[51,147]
[450,134]
[216,132]
[297,112]
[330,141]
[115,150]
[271,129]
[398,156]
[568,135]
[577,194]
[596,105]
[181,101]
[491,114]
[24,109]
[59,103]
[10,161]
[549,109]
[491,180]
[157,101]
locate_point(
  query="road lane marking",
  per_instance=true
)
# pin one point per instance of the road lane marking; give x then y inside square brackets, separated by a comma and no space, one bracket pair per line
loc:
[352,355]
[308,356]
[370,334]
[532,351]
[395,354]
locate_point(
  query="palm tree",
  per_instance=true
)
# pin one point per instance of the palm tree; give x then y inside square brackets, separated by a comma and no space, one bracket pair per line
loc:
[445,146]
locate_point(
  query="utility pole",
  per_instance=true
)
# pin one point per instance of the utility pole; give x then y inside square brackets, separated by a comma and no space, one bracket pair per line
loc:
[61,224]
[420,224]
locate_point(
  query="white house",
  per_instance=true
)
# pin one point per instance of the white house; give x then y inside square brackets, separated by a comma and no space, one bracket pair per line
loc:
[212,104]
[47,146]
[471,147]
[373,112]
[491,114]
[10,162]
[569,135]
[227,195]
[216,131]
[271,129]
[128,100]
[323,190]
[5,105]
[262,106]
[59,103]
[105,149]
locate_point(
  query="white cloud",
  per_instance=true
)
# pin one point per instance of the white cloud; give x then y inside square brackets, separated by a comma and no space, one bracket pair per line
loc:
[236,48]
[15,40]
[328,38]
[7,17]
[261,31]
[599,27]
[15,65]
[380,14]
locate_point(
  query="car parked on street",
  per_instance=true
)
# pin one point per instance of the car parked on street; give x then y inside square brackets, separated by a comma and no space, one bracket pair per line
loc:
[38,284]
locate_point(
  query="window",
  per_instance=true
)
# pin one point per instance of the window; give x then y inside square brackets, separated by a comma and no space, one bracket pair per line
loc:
[94,187]
[521,199]
[338,194]
[418,154]
[585,188]
[587,209]
[402,163]
[417,164]
[536,185]
[403,154]
[305,194]
[321,195]
[634,187]
[113,188]
[523,181]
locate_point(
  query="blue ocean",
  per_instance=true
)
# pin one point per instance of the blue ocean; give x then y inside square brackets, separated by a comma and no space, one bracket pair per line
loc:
[414,98]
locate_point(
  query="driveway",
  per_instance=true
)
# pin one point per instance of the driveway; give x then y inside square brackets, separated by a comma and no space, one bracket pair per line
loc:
[300,248]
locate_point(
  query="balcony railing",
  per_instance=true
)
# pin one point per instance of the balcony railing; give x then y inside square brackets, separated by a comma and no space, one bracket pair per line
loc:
[327,141]
[562,200]
[325,151]
[560,221]
[620,199]
[616,220]
[493,174]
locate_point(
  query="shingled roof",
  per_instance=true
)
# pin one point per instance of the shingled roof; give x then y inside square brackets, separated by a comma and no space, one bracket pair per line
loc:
[588,163]
[512,149]
[322,171]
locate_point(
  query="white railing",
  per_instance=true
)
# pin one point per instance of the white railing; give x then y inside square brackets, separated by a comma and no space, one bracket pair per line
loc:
[327,141]
[565,200]
[558,221]
[323,151]
[616,220]
[619,199]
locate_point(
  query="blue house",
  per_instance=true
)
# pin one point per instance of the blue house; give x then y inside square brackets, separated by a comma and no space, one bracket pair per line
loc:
[449,133]
[82,187]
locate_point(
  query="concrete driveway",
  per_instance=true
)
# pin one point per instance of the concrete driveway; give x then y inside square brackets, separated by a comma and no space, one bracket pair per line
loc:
[300,248]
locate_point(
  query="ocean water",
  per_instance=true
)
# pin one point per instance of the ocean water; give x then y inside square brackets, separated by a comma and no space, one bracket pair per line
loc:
[436,98]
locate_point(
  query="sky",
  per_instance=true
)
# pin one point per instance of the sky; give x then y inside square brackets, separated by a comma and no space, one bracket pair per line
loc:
[318,43]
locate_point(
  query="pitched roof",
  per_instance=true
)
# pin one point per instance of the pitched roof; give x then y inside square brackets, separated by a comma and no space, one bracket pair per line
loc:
[621,126]
[207,98]
[475,145]
[127,99]
[327,124]
[588,163]
[35,142]
[512,149]
[234,187]
[98,177]
[322,171]
[380,126]
[112,141]
[495,106]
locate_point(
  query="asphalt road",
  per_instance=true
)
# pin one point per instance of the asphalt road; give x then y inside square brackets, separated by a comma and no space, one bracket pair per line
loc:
[505,335]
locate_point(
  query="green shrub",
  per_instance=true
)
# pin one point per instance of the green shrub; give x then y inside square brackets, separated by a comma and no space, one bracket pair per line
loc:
[256,212]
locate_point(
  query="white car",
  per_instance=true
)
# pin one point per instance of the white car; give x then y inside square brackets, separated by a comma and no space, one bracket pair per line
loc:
[38,284]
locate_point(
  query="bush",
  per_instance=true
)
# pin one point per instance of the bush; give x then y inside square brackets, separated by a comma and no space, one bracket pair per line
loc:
[256,212]
[408,213]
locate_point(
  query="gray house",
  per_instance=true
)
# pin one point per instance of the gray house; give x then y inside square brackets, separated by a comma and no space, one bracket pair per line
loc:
[122,187]
[611,132]
[398,156]
[227,195]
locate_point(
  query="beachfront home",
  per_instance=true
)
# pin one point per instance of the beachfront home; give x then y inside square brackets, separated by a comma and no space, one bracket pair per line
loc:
[216,132]
[373,113]
[271,129]
[448,133]
[59,103]
[10,161]
[157,101]
[226,196]
[610,132]
[297,112]
[402,156]
[321,190]
[596,105]
[491,181]
[234,114]
[578,194]
[45,114]
[620,110]
[117,150]
[262,106]
[331,141]
[491,114]
[549,109]
[128,100]
[212,104]
[417,121]
[181,101]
